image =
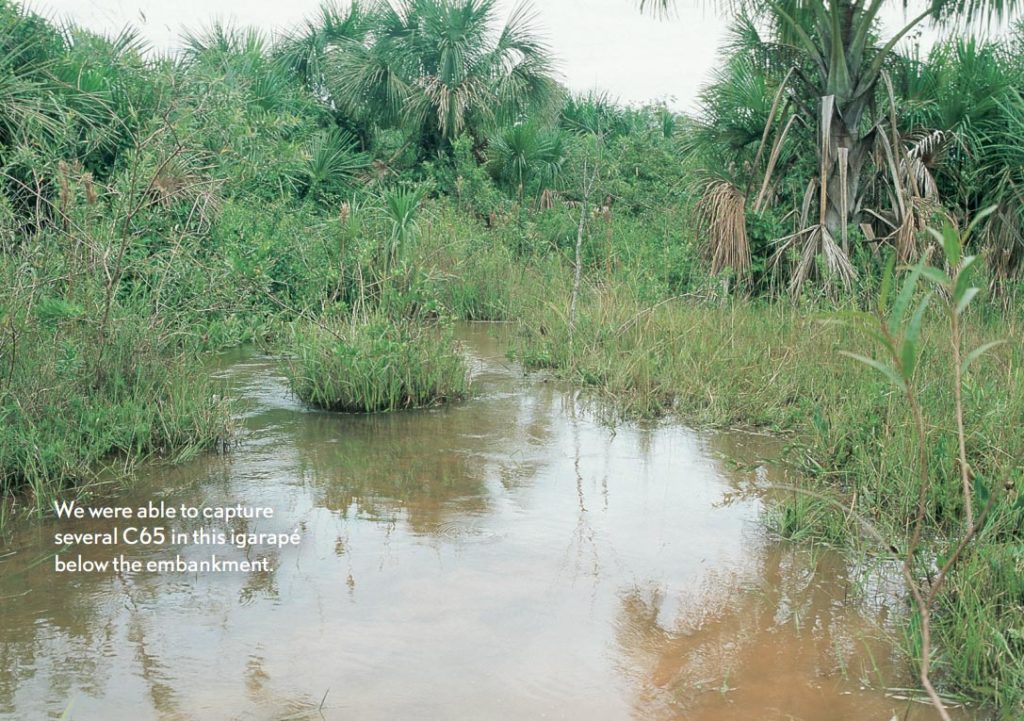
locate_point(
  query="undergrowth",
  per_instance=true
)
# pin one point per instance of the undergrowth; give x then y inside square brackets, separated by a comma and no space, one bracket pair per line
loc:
[779,367]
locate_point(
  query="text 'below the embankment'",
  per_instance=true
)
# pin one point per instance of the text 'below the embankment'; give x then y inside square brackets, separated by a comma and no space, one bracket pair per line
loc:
[195,539]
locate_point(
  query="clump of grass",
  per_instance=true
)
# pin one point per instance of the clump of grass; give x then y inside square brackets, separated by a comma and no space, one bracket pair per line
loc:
[377,364]
[977,621]
[779,368]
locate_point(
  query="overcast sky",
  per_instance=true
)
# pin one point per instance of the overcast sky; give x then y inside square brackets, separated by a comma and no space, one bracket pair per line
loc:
[600,44]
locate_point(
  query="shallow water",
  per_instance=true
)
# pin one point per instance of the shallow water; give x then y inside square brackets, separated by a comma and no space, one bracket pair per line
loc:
[504,558]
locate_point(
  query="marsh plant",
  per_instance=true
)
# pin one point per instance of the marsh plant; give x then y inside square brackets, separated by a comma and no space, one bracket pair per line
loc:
[853,431]
[343,191]
[377,363]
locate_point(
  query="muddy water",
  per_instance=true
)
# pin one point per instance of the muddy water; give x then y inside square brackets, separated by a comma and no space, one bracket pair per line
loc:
[505,558]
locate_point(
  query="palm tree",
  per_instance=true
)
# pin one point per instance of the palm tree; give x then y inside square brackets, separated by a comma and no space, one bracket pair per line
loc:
[966,108]
[64,93]
[837,82]
[304,51]
[439,68]
[525,154]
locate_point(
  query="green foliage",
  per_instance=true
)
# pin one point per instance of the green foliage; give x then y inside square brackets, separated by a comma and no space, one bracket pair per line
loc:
[852,432]
[401,208]
[961,645]
[332,162]
[343,191]
[437,69]
[65,410]
[526,156]
[305,50]
[377,364]
[596,113]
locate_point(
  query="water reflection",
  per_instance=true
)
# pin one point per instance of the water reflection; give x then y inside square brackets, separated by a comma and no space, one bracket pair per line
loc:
[784,637]
[505,558]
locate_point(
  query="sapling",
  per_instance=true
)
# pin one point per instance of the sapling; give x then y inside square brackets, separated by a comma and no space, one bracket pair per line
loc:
[898,329]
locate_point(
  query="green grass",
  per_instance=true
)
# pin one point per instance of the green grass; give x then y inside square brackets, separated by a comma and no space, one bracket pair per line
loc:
[64,412]
[377,364]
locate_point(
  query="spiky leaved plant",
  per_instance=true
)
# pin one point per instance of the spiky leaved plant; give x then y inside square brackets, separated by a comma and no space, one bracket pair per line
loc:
[441,68]
[840,87]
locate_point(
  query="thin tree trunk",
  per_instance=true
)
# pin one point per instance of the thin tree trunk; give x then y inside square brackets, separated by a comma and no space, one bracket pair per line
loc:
[578,264]
[588,187]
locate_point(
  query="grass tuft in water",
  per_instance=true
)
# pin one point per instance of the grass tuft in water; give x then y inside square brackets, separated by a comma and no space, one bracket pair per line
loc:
[377,364]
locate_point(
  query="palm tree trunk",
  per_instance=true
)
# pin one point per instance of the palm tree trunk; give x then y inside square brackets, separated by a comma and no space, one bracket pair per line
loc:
[846,147]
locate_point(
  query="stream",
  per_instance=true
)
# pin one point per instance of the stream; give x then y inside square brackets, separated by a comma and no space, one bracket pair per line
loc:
[506,557]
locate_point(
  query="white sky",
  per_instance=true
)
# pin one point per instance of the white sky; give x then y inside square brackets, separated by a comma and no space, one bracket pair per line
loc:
[600,44]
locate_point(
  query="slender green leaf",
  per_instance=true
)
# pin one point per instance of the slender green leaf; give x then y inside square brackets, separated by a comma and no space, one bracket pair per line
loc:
[951,244]
[963,278]
[882,368]
[981,491]
[911,338]
[968,296]
[979,216]
[899,308]
[887,278]
[937,276]
[978,352]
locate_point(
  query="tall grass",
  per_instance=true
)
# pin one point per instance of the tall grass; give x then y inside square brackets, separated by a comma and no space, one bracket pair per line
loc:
[377,364]
[478,274]
[63,415]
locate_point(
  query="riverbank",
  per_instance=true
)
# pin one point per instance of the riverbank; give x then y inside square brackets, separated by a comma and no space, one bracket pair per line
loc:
[781,368]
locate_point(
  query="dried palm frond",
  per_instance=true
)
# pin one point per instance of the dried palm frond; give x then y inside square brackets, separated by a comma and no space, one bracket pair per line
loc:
[913,195]
[773,159]
[1004,243]
[547,199]
[722,211]
[911,231]
[921,156]
[809,244]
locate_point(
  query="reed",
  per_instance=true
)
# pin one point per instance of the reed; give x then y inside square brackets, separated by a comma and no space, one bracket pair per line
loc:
[63,418]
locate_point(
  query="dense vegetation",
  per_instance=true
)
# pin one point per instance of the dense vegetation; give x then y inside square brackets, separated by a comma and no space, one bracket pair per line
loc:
[342,192]
[377,364]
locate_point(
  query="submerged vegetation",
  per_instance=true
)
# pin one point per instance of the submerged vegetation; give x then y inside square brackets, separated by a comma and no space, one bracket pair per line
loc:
[342,193]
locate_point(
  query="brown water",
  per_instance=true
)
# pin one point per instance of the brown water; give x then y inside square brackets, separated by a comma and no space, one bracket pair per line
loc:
[505,558]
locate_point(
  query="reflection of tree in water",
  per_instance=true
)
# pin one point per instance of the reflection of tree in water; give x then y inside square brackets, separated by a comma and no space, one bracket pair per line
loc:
[67,632]
[59,624]
[587,559]
[259,689]
[153,671]
[432,467]
[380,475]
[522,437]
[781,647]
